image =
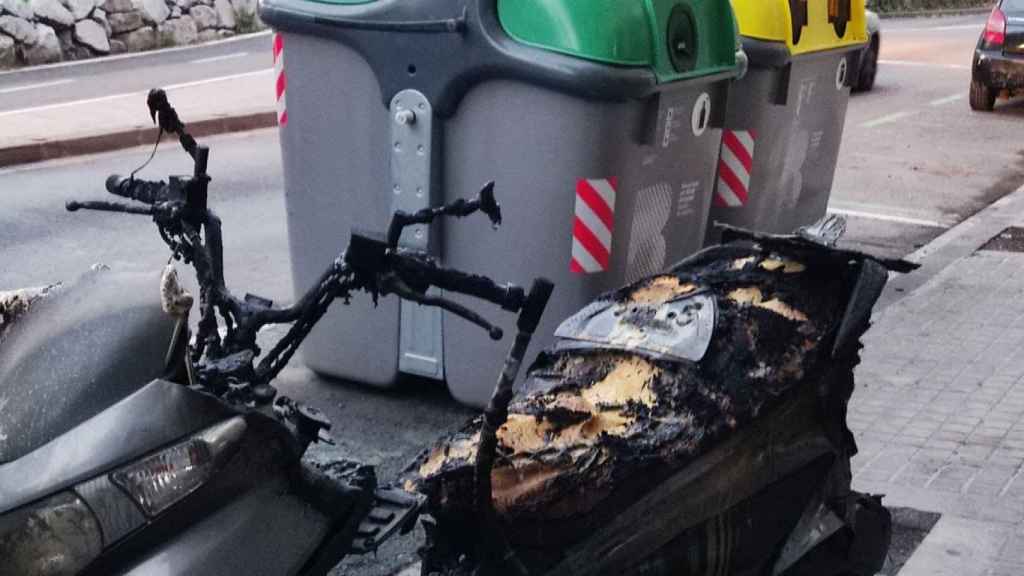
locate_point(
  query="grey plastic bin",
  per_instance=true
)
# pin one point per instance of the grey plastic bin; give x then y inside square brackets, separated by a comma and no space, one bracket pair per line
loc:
[394,104]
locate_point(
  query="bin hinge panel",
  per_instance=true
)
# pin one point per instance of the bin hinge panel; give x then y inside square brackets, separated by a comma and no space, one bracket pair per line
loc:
[421,344]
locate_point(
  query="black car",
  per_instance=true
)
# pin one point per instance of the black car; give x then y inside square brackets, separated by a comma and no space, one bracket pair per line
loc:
[999,57]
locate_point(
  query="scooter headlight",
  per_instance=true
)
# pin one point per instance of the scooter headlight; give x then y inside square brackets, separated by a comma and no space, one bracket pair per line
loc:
[58,536]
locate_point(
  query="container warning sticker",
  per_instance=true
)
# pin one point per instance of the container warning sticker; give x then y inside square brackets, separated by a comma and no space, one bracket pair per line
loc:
[734,168]
[280,79]
[593,225]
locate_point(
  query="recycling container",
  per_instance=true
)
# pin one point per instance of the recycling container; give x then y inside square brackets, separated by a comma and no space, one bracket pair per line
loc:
[784,120]
[599,122]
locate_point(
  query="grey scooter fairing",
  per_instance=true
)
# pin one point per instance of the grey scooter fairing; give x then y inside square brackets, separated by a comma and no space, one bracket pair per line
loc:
[79,372]
[259,514]
[76,352]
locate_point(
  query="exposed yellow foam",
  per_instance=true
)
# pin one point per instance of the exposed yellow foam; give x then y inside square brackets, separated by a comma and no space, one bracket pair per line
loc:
[787,266]
[661,289]
[752,296]
[459,450]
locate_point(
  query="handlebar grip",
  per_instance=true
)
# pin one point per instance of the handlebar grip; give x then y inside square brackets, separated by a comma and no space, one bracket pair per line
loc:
[420,272]
[509,296]
[145,191]
[535,304]
[114,184]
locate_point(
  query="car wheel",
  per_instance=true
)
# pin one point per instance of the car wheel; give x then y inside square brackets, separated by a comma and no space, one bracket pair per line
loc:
[983,97]
[868,67]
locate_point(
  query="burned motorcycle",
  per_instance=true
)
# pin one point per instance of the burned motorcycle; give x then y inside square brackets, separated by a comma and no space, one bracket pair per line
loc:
[692,423]
[128,450]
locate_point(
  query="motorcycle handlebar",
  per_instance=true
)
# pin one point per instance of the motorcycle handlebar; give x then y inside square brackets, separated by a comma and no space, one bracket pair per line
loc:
[411,273]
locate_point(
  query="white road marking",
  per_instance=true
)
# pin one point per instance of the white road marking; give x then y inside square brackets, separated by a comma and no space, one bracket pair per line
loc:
[946,100]
[24,87]
[924,64]
[888,218]
[133,94]
[231,56]
[887,119]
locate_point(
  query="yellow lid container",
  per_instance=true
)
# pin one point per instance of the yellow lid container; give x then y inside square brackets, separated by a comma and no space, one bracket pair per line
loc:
[803,25]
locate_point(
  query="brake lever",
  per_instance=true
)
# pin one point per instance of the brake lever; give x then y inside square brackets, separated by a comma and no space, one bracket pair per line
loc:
[74,206]
[395,286]
[485,202]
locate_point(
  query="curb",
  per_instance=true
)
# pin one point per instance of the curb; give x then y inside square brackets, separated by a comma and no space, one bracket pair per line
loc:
[958,242]
[81,145]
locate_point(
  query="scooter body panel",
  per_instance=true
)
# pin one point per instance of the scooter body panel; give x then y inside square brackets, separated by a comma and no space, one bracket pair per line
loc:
[268,531]
[154,416]
[76,353]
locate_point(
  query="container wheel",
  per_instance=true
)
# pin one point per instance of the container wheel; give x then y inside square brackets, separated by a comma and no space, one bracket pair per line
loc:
[983,97]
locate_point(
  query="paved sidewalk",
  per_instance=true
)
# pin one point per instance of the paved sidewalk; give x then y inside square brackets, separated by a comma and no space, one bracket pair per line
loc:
[939,413]
[240,102]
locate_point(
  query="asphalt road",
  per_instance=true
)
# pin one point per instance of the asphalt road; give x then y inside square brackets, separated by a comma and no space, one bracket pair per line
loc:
[915,159]
[105,77]
[914,162]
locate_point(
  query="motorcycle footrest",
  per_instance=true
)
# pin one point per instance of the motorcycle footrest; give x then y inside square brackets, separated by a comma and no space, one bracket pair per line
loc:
[393,510]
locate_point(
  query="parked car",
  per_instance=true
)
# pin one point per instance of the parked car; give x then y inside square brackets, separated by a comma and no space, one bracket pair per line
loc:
[999,57]
[867,61]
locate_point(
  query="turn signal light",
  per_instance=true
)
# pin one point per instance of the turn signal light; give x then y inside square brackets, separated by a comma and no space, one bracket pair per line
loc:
[166,477]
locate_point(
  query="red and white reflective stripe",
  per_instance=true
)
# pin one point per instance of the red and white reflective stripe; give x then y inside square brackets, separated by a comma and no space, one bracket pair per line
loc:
[734,168]
[282,81]
[593,225]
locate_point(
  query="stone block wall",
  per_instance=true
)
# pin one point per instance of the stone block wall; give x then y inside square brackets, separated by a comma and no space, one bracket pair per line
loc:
[44,31]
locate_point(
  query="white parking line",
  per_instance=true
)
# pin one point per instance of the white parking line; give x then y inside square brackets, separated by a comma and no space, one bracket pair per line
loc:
[887,119]
[924,64]
[946,100]
[133,94]
[941,28]
[24,87]
[231,56]
[888,218]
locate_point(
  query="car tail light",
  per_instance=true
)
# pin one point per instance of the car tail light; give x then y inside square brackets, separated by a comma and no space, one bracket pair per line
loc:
[158,481]
[995,28]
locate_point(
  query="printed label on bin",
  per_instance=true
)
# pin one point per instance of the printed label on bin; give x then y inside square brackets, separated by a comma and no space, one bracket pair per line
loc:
[700,118]
[734,168]
[593,225]
[647,246]
[841,70]
[280,79]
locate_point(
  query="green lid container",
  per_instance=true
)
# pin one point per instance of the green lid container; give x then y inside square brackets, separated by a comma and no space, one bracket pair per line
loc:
[677,39]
